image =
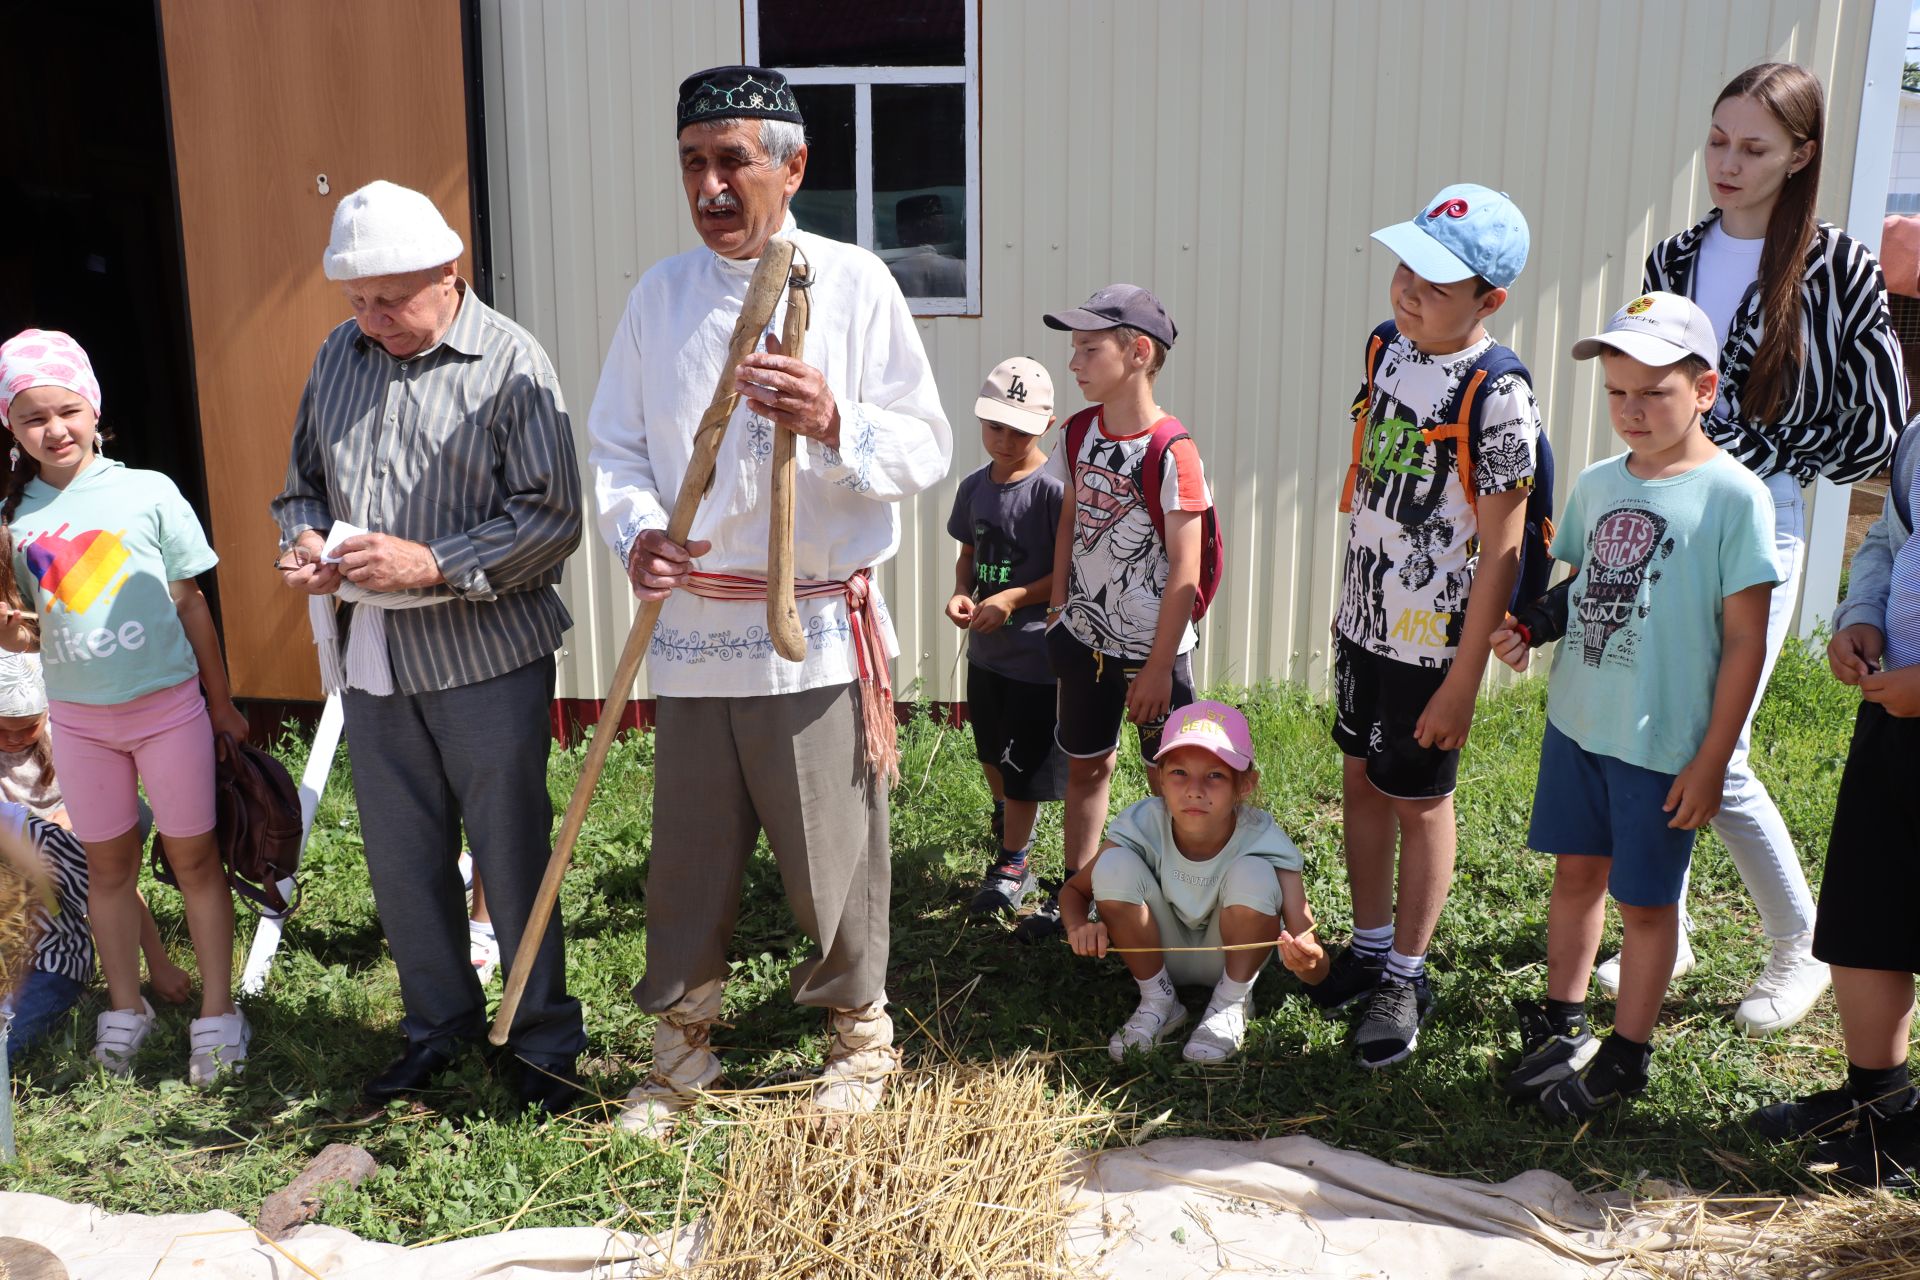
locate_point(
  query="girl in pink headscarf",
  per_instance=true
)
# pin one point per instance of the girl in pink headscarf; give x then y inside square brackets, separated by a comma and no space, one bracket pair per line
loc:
[103,563]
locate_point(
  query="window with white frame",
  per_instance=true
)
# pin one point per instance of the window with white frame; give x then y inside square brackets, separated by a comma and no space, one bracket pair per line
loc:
[891,96]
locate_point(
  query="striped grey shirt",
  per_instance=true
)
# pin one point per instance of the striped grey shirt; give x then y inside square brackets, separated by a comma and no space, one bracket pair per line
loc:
[465,447]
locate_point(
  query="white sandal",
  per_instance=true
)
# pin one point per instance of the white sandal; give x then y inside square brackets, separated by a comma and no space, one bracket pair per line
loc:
[118,1035]
[219,1041]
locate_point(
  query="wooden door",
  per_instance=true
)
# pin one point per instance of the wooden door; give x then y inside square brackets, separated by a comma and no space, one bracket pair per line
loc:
[267,96]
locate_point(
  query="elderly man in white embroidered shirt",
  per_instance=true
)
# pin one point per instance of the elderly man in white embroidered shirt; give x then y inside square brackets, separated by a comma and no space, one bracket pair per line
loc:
[746,739]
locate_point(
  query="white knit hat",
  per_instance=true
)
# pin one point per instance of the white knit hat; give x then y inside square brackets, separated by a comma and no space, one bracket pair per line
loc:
[387,230]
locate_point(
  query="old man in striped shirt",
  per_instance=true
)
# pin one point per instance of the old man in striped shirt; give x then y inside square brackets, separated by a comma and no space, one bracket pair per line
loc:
[432,433]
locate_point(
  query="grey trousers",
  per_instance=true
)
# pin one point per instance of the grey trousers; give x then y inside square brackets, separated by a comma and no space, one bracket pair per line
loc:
[793,763]
[424,765]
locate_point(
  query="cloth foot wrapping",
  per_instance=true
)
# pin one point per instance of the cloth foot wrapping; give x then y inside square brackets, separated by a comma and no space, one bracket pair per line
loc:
[859,1060]
[683,1063]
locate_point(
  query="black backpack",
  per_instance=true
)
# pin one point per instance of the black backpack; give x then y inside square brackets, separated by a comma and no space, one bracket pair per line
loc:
[1461,421]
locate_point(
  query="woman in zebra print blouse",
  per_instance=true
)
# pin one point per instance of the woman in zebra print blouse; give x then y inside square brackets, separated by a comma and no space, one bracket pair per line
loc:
[1811,384]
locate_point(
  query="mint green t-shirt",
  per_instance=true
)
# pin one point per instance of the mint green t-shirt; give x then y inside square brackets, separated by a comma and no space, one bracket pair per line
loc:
[1192,886]
[94,559]
[1635,675]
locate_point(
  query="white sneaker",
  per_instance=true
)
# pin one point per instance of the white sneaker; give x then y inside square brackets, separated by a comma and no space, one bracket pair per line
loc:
[1221,1032]
[1786,989]
[859,1060]
[483,951]
[1151,1023]
[118,1035]
[1606,974]
[219,1041]
[683,1064]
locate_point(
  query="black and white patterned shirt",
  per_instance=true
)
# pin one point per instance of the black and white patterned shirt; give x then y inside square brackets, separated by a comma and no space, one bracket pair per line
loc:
[467,448]
[1850,396]
[67,947]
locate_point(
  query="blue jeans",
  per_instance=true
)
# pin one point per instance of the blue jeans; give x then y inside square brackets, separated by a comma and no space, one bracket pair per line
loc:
[38,1007]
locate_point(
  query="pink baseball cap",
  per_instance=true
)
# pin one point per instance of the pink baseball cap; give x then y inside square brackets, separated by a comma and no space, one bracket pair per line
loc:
[1211,726]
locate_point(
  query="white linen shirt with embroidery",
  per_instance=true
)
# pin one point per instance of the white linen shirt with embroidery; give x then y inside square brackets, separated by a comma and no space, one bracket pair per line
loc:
[658,378]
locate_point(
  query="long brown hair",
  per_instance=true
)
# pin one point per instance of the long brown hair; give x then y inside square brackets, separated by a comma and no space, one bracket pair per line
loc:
[21,468]
[1793,96]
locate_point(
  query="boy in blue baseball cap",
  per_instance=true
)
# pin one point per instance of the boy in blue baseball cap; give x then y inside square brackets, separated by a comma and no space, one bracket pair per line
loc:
[1445,438]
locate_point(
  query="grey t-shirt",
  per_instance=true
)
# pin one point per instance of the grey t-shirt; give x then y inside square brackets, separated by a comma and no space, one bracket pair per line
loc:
[1011,529]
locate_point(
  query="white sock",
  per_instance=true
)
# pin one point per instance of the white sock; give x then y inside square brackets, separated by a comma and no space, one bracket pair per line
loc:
[1406,968]
[1227,991]
[1157,990]
[1373,942]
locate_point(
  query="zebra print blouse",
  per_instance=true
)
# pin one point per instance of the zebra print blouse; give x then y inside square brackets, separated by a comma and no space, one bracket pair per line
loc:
[1851,395]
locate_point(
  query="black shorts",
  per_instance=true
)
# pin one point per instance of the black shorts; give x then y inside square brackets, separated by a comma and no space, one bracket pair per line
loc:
[1093,696]
[1376,702]
[1013,731]
[1872,878]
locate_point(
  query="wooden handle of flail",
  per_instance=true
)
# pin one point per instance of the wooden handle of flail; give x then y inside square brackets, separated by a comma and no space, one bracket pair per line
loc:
[783,614]
[763,294]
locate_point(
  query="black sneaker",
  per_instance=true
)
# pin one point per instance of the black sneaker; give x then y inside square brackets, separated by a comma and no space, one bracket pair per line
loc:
[1547,1055]
[1044,924]
[1350,977]
[1881,1152]
[1824,1114]
[1004,888]
[1390,1028]
[1604,1083]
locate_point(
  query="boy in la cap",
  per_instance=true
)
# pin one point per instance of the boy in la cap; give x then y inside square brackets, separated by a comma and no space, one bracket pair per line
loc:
[1445,447]
[1127,561]
[1004,518]
[1665,625]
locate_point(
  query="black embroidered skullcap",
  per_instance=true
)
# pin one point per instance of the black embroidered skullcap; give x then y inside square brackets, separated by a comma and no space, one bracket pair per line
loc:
[721,93]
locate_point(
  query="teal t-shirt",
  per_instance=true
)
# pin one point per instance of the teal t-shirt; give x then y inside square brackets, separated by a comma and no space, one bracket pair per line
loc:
[1192,887]
[94,559]
[1635,674]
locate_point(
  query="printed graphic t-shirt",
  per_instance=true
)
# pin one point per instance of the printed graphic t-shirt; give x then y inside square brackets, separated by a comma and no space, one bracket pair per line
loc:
[94,559]
[1119,568]
[1413,543]
[1192,886]
[1635,674]
[1011,530]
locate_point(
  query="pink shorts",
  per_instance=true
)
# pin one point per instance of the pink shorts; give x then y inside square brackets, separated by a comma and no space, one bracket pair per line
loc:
[164,737]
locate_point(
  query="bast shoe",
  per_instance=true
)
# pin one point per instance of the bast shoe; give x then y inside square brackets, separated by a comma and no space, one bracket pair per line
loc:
[684,1064]
[860,1058]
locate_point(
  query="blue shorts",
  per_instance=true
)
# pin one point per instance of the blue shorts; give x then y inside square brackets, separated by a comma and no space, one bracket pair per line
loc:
[1598,805]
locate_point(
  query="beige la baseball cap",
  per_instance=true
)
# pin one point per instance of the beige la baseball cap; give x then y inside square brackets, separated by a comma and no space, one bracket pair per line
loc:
[1018,394]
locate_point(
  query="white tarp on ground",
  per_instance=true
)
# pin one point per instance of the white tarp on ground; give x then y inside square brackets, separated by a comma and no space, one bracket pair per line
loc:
[1172,1209]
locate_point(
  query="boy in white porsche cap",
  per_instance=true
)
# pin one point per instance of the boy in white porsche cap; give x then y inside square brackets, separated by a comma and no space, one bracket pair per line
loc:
[1665,626]
[1195,886]
[1004,518]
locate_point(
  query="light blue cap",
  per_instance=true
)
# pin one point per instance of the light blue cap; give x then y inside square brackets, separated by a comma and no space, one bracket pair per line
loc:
[1467,230]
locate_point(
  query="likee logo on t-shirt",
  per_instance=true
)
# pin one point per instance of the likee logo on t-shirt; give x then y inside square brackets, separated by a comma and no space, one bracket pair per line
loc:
[77,571]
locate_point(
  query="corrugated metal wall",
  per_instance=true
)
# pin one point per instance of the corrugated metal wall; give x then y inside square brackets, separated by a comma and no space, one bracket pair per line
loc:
[1230,154]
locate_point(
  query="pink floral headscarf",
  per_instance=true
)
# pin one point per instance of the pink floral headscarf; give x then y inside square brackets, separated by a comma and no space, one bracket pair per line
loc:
[44,358]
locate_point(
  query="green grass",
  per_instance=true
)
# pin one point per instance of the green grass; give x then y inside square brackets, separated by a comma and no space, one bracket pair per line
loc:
[328,1017]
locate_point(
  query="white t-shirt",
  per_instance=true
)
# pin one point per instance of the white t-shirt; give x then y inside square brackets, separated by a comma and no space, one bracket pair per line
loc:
[1119,568]
[1413,542]
[1722,273]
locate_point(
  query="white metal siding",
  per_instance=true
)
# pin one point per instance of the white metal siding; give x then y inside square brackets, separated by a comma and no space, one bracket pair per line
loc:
[1232,155]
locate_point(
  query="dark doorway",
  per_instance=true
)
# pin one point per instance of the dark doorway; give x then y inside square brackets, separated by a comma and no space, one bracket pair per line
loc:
[89,235]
